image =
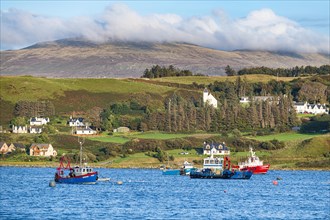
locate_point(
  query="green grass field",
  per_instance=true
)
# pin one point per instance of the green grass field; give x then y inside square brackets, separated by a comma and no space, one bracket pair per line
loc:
[158,136]
[291,136]
[112,139]
[28,88]
[211,79]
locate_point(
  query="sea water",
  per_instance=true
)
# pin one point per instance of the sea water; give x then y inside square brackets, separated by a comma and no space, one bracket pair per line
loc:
[147,194]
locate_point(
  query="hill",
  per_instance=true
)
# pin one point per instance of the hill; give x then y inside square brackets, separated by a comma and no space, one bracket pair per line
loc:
[72,58]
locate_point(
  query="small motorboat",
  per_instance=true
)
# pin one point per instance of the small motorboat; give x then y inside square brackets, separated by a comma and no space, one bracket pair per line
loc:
[186,168]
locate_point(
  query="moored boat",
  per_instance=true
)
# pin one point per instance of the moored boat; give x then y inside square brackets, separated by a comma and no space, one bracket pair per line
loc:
[225,174]
[186,168]
[171,171]
[81,174]
[254,164]
[212,169]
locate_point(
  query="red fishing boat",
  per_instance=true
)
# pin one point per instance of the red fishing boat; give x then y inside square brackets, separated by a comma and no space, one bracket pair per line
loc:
[253,163]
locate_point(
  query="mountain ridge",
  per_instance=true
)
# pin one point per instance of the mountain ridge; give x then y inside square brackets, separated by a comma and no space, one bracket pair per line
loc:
[79,58]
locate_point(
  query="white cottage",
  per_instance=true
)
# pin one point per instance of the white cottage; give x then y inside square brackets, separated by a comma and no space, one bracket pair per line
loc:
[304,107]
[209,99]
[3,148]
[85,130]
[35,130]
[216,149]
[76,122]
[44,150]
[38,121]
[19,129]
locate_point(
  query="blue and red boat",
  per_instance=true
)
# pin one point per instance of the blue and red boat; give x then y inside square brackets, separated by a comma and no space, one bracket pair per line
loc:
[76,175]
[81,174]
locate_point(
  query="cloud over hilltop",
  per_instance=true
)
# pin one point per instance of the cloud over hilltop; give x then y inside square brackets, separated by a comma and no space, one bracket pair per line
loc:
[259,30]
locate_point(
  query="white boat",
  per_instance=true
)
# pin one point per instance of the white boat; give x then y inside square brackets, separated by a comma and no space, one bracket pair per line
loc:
[186,168]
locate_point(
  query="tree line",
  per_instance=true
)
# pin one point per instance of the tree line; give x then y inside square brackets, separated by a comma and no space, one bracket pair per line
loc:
[157,71]
[282,72]
[34,109]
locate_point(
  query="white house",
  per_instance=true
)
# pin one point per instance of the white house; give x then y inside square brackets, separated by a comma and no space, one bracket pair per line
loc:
[76,122]
[35,130]
[304,107]
[45,150]
[215,149]
[121,130]
[19,129]
[3,148]
[38,121]
[245,99]
[85,130]
[209,99]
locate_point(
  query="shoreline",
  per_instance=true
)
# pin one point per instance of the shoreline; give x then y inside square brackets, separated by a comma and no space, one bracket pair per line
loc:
[123,167]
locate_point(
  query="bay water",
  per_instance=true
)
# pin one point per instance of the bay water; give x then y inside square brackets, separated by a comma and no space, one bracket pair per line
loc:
[147,194]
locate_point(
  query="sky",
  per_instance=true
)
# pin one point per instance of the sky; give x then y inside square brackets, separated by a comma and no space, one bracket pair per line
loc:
[295,26]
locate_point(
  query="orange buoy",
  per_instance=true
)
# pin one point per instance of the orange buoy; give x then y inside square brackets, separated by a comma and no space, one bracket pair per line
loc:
[275,182]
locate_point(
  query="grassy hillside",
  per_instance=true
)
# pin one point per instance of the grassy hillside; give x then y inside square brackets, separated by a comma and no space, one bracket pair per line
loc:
[70,95]
[31,88]
[81,94]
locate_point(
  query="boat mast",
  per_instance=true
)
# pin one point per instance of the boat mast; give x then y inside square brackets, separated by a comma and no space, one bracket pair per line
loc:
[81,141]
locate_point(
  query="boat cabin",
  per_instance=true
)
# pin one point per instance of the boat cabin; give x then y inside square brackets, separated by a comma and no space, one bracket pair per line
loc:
[78,171]
[213,163]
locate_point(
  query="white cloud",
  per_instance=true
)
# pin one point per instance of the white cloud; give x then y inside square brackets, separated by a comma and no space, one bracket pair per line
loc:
[259,30]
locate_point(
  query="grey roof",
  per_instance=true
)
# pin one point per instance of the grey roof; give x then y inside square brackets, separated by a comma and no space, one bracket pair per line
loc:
[217,146]
[19,145]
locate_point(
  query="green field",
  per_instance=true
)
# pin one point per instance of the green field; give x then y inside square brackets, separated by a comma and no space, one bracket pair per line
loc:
[158,136]
[111,139]
[122,138]
[28,88]
[211,79]
[291,136]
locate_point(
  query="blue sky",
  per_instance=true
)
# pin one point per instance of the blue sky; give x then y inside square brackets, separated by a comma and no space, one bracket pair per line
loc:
[310,18]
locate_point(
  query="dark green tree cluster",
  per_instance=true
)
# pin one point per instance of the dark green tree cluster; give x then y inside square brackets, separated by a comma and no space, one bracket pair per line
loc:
[33,109]
[162,71]
[122,114]
[182,115]
[314,90]
[289,72]
[318,124]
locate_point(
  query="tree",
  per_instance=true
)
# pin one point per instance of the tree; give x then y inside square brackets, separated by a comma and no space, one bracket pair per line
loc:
[19,121]
[313,92]
[229,71]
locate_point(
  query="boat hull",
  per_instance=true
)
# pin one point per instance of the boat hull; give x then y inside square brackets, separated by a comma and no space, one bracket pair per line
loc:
[89,178]
[262,169]
[226,174]
[171,172]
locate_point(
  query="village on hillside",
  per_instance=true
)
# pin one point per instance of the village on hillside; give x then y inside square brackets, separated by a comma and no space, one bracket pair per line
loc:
[80,127]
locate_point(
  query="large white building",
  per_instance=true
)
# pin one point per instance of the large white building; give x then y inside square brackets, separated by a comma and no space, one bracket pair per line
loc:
[304,107]
[209,99]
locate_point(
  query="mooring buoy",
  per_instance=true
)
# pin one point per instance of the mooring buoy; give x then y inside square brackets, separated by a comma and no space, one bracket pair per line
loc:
[52,183]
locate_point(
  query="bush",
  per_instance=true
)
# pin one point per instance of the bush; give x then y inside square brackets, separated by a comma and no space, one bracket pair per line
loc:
[267,145]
